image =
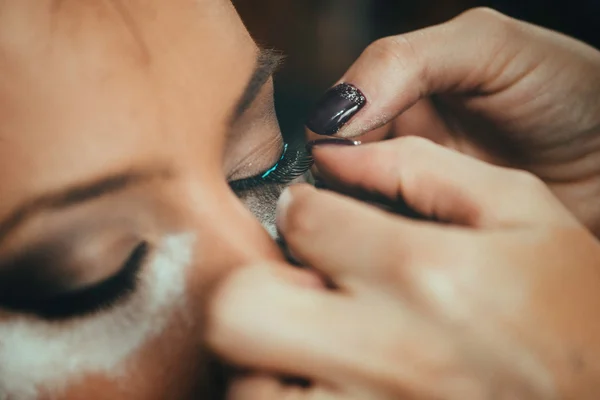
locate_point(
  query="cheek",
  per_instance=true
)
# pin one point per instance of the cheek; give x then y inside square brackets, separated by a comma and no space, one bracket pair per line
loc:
[36,354]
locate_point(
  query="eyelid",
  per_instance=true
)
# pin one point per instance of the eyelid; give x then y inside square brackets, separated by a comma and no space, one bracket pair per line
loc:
[268,62]
[22,296]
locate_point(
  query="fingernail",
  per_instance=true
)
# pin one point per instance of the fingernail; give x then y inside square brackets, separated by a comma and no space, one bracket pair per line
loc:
[330,142]
[282,205]
[335,109]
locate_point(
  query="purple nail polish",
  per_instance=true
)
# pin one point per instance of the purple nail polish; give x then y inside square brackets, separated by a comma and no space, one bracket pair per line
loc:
[330,142]
[335,109]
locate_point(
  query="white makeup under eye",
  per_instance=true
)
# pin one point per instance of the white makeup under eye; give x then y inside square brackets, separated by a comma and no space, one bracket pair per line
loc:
[37,354]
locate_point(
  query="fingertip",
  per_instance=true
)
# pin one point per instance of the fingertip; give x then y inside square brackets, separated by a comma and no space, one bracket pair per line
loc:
[289,195]
[348,166]
[283,204]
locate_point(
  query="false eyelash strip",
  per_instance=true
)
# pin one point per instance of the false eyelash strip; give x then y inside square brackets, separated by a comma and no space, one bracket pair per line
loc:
[293,163]
[274,168]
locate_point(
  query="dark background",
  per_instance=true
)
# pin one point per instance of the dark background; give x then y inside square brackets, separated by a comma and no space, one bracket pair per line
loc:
[321,38]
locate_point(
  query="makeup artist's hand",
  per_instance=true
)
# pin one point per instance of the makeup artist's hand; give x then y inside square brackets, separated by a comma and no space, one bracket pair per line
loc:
[490,86]
[502,302]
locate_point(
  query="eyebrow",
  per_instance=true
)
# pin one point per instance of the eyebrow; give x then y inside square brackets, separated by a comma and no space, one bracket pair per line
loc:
[78,194]
[267,62]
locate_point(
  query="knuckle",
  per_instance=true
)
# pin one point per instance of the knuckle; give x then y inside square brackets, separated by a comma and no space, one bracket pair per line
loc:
[524,187]
[300,220]
[488,19]
[527,182]
[414,144]
[413,169]
[393,51]
[482,14]
[475,213]
[495,37]
[395,267]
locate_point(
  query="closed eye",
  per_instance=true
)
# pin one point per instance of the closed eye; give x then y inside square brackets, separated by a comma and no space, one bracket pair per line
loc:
[22,294]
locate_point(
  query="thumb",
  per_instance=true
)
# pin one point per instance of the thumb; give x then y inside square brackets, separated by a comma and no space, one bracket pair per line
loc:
[438,183]
[473,53]
[265,320]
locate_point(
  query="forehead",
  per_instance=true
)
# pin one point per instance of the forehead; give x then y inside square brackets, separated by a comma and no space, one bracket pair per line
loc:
[88,86]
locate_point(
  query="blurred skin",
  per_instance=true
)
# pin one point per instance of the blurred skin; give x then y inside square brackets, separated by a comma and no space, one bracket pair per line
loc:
[89,89]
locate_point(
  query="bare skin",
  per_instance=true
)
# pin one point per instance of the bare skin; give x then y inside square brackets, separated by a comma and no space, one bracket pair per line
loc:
[143,93]
[495,88]
[498,302]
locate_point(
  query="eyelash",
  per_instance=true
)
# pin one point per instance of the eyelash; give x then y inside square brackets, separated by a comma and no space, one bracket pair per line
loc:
[86,301]
[293,163]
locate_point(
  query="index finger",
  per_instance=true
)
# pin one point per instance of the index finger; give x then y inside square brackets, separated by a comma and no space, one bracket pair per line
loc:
[467,54]
[346,239]
[441,184]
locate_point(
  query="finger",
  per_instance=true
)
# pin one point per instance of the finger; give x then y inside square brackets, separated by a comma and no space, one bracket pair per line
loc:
[269,388]
[472,53]
[421,120]
[441,183]
[376,135]
[336,341]
[344,238]
[259,319]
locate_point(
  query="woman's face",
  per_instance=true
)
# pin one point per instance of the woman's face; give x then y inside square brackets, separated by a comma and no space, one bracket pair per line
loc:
[122,124]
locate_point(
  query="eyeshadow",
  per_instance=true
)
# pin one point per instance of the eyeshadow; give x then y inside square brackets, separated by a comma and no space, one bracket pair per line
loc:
[32,274]
[39,282]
